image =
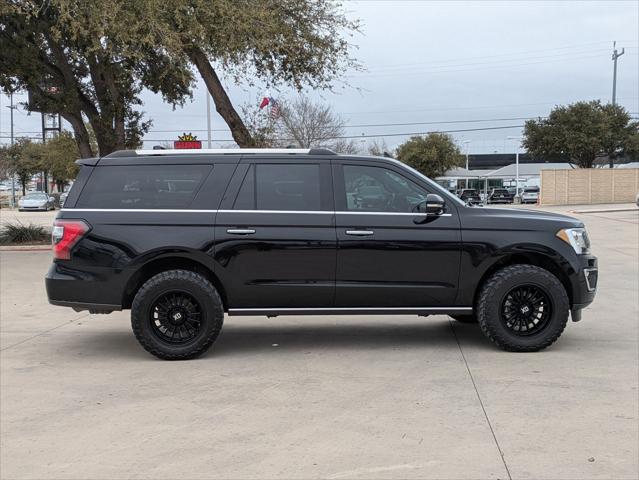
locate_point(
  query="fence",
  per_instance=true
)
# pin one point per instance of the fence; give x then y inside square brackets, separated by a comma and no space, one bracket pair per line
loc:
[582,186]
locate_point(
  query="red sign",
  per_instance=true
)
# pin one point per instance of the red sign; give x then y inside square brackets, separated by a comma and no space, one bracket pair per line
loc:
[179,144]
[187,141]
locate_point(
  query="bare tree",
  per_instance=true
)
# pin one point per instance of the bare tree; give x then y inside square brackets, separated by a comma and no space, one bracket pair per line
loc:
[378,148]
[304,123]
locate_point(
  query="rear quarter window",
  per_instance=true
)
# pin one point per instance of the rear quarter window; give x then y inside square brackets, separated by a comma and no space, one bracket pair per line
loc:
[143,186]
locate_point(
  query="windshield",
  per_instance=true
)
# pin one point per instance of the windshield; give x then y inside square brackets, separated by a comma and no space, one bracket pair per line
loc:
[35,196]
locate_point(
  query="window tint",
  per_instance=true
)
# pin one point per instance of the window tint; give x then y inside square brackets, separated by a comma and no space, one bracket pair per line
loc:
[380,190]
[280,187]
[143,186]
[245,199]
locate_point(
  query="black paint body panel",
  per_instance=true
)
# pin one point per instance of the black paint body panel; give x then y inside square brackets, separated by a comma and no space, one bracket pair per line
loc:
[296,261]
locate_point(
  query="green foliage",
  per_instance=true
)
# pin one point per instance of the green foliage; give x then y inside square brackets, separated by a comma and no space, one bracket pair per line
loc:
[23,159]
[82,60]
[631,147]
[433,155]
[92,59]
[19,233]
[578,133]
[58,158]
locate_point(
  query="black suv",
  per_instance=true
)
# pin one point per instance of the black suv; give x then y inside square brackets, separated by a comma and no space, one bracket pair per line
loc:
[500,195]
[470,196]
[182,237]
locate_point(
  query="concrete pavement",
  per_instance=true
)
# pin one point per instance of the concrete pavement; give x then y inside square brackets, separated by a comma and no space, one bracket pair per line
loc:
[322,397]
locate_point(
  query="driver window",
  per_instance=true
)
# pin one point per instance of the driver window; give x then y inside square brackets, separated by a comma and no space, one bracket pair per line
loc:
[377,189]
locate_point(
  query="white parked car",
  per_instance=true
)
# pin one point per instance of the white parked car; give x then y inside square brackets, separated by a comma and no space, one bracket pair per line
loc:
[36,201]
[530,195]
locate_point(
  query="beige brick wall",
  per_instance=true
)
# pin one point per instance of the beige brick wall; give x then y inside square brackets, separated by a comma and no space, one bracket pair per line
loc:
[580,186]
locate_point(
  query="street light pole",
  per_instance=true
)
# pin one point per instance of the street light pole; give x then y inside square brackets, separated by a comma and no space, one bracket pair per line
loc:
[12,107]
[516,199]
[466,142]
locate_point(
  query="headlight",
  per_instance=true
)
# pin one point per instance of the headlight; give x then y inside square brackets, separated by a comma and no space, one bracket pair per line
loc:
[577,238]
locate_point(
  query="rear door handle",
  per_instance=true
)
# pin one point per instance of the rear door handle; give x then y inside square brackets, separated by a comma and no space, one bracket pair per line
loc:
[359,233]
[240,231]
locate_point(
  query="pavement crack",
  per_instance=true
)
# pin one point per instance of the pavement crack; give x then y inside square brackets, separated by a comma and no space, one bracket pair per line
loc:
[481,403]
[42,333]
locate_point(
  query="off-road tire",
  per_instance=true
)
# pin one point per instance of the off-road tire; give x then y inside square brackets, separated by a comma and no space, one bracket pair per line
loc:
[489,306]
[212,315]
[472,318]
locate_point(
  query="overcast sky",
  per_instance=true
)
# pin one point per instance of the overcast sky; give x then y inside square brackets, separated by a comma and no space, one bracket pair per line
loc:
[457,62]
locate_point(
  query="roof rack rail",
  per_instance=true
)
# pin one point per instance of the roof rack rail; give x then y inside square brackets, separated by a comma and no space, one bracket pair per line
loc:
[224,151]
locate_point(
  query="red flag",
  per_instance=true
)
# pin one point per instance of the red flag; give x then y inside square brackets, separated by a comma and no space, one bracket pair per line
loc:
[265,102]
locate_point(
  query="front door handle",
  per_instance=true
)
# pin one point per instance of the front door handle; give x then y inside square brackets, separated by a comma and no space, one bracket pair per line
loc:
[359,233]
[240,231]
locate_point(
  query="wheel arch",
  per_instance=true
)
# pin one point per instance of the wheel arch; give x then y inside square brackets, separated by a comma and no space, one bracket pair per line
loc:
[550,263]
[173,262]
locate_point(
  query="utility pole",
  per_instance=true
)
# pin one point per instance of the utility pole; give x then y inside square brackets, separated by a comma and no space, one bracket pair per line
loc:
[615,56]
[12,107]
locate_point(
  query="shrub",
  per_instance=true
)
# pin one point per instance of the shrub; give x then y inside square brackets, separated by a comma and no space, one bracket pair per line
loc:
[20,233]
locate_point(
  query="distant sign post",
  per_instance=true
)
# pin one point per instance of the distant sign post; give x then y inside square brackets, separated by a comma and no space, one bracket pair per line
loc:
[187,141]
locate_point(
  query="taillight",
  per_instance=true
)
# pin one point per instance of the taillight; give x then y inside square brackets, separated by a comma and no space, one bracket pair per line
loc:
[65,234]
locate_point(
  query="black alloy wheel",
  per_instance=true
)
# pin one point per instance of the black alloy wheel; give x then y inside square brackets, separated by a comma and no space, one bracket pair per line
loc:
[526,310]
[176,317]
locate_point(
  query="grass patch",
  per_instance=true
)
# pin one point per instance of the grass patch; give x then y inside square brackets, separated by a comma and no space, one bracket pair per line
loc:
[18,233]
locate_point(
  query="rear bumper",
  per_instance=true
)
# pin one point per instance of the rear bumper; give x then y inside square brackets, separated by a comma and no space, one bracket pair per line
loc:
[81,290]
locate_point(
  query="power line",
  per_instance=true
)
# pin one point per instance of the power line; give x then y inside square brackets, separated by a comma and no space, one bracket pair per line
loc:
[345,137]
[455,63]
[496,67]
[553,49]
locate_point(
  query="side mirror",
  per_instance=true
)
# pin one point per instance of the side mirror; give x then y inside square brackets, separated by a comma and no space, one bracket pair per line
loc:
[433,205]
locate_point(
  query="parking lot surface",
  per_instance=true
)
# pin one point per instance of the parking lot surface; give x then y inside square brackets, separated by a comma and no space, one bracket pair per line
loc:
[322,397]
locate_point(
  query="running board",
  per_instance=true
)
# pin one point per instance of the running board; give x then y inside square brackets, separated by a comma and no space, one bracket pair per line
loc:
[272,312]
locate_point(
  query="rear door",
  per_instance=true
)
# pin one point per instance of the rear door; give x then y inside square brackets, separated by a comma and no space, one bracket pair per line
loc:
[387,255]
[275,235]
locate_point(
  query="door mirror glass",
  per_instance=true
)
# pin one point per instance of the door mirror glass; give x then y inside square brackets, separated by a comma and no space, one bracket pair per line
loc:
[433,205]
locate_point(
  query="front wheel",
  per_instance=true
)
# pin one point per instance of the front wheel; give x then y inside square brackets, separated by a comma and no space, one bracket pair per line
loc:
[523,308]
[177,315]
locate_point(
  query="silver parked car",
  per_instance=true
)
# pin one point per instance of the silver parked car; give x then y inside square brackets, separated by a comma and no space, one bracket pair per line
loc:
[63,198]
[530,195]
[36,201]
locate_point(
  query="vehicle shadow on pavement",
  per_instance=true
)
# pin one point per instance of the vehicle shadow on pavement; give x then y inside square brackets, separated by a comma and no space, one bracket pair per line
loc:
[238,339]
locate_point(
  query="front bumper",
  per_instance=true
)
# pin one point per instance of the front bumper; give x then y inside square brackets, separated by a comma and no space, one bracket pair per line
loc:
[584,284]
[40,208]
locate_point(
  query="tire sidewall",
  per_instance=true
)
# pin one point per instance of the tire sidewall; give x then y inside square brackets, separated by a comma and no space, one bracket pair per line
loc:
[210,306]
[490,316]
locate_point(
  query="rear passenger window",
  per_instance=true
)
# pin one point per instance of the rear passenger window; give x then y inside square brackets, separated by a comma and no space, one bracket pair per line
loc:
[143,186]
[280,187]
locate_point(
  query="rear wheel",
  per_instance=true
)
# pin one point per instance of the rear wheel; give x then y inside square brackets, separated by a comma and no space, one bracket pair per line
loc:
[177,315]
[523,308]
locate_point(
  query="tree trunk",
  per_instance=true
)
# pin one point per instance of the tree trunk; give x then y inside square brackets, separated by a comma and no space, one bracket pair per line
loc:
[81,134]
[223,104]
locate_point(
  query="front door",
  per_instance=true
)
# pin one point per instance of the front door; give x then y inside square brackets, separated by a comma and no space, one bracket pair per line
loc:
[388,255]
[275,236]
